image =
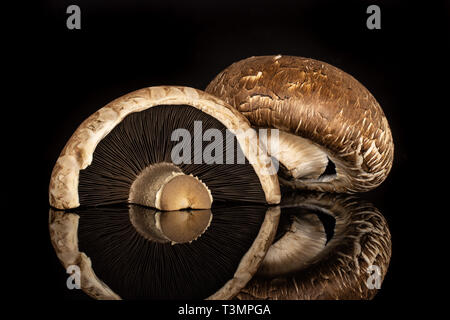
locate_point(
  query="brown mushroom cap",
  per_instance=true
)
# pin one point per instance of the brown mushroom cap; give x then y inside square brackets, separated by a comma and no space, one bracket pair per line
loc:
[301,266]
[325,106]
[78,152]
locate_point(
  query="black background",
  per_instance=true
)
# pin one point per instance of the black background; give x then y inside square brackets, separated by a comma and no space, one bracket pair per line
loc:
[126,45]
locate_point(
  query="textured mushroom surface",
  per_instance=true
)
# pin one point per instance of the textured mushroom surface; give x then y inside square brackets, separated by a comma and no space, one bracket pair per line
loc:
[333,113]
[164,186]
[77,157]
[134,253]
[302,264]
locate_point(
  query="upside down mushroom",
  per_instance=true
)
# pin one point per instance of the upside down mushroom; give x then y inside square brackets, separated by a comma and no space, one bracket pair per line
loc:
[327,247]
[134,252]
[333,135]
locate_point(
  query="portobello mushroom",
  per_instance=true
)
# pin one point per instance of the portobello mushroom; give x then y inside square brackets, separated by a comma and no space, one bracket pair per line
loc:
[327,247]
[146,222]
[133,252]
[123,153]
[333,135]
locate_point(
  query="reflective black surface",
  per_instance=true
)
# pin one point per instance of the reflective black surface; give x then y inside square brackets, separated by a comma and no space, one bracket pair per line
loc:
[137,267]
[61,77]
[327,247]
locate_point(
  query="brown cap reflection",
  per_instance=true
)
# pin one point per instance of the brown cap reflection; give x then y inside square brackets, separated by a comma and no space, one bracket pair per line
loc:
[302,265]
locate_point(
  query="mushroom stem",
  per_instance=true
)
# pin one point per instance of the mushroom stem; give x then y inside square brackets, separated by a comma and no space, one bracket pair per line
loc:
[165,187]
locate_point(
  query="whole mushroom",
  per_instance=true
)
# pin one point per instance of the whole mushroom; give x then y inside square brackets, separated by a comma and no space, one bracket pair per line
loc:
[333,135]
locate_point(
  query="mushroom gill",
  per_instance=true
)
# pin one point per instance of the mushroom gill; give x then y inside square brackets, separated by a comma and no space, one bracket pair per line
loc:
[154,227]
[302,265]
[334,136]
[124,153]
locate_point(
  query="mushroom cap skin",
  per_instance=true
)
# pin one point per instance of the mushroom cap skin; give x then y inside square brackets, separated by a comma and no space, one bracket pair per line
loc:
[318,102]
[341,269]
[78,152]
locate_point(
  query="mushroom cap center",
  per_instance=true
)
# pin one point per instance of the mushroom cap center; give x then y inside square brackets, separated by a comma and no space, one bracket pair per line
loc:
[165,187]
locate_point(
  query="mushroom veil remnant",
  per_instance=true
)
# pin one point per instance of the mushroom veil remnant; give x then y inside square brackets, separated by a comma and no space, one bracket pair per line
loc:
[333,137]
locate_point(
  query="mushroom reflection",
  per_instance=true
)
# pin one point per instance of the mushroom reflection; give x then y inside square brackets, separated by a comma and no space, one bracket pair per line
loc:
[142,253]
[63,229]
[170,226]
[301,264]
